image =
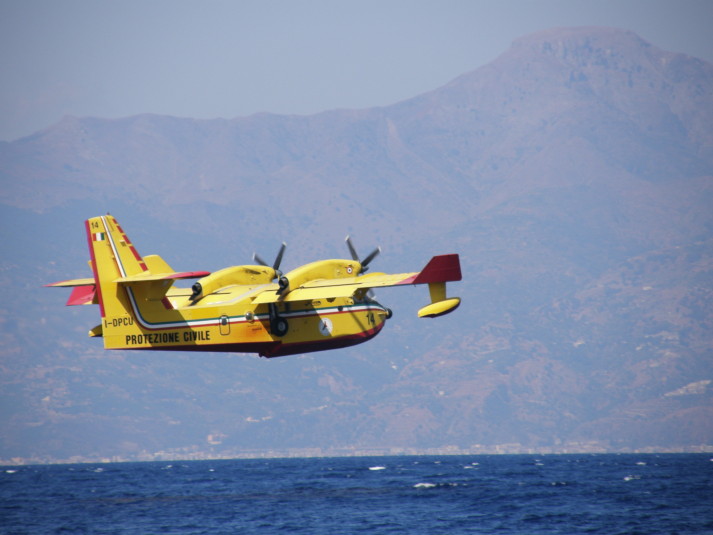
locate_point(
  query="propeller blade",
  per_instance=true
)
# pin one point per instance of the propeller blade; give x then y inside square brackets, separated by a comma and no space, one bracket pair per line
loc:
[352,250]
[259,260]
[371,257]
[276,264]
[278,260]
[355,256]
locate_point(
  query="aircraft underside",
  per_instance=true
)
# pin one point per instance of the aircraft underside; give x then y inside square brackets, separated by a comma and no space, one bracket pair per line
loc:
[274,348]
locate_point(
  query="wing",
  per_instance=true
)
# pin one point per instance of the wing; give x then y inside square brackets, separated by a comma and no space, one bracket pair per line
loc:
[328,288]
[440,269]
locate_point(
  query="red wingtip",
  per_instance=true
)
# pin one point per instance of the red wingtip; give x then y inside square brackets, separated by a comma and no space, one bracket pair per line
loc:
[443,268]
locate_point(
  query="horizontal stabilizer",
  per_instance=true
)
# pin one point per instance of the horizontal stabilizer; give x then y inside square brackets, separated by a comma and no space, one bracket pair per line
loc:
[72,282]
[84,291]
[83,295]
[145,277]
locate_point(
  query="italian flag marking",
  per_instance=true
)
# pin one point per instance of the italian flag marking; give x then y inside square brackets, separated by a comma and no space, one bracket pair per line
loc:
[98,236]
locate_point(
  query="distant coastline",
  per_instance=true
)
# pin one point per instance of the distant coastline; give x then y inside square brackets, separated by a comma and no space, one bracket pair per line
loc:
[497,449]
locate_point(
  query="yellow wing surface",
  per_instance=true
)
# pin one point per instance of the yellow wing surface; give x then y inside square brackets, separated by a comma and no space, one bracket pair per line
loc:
[441,269]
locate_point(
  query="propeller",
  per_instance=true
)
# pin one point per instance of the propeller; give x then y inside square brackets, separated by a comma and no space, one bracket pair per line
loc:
[370,296]
[276,263]
[282,280]
[355,256]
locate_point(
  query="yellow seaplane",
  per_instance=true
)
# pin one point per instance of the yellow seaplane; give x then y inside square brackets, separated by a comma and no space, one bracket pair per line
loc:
[323,305]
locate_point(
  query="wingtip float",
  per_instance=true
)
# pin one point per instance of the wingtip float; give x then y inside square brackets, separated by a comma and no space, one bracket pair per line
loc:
[246,309]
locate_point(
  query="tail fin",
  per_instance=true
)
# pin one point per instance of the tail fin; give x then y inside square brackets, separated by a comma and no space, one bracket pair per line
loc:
[113,257]
[125,285]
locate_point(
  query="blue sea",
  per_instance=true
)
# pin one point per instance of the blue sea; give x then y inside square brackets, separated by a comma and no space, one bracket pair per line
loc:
[506,494]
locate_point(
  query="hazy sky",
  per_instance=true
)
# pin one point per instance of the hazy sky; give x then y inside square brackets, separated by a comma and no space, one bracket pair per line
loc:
[217,58]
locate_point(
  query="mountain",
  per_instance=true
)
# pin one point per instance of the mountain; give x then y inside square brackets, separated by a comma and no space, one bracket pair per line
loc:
[574,175]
